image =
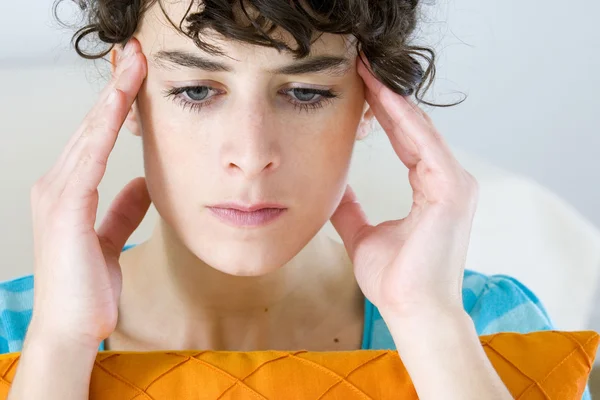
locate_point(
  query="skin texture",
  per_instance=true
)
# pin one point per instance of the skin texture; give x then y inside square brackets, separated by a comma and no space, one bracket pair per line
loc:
[248,144]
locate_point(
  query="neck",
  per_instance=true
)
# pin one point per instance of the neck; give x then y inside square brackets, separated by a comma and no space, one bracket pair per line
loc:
[202,307]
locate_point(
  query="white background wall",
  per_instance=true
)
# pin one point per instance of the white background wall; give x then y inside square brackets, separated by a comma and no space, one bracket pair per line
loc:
[532,73]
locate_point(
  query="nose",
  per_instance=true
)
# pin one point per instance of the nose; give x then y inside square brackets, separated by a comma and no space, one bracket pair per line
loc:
[252,147]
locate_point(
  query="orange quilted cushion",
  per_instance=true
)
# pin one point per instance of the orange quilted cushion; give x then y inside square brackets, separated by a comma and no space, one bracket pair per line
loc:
[539,365]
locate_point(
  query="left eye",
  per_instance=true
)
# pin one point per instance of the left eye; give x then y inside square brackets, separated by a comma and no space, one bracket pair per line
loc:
[304,94]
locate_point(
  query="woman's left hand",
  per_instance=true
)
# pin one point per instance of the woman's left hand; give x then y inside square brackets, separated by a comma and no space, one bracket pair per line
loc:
[418,261]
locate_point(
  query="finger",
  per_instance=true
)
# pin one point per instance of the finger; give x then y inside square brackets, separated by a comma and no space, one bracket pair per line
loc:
[127,79]
[387,98]
[349,219]
[124,215]
[405,148]
[58,165]
[429,122]
[85,165]
[403,118]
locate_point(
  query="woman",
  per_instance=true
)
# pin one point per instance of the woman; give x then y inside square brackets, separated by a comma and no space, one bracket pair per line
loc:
[246,153]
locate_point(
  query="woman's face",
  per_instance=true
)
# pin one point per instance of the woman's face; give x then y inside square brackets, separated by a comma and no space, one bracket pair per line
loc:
[246,136]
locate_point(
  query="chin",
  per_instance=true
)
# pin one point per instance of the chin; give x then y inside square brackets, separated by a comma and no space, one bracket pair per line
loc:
[252,253]
[261,271]
[247,259]
[246,267]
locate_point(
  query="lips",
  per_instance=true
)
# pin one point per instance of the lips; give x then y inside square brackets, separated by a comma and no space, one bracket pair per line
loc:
[255,218]
[248,208]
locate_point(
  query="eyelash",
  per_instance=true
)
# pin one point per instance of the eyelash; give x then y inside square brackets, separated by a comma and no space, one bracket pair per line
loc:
[327,96]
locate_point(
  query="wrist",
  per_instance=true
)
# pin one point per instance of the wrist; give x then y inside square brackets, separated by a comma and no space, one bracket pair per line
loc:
[46,344]
[448,327]
[47,337]
[437,345]
[40,376]
[431,313]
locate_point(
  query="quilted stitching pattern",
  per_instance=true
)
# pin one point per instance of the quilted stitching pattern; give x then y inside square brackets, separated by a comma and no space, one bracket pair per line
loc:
[539,365]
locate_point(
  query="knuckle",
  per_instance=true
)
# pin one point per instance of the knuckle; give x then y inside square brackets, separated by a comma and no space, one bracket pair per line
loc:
[107,244]
[472,183]
[119,96]
[475,183]
[476,192]
[75,212]
[89,158]
[93,125]
[72,201]
[123,219]
[39,191]
[460,191]
[84,160]
[471,188]
[38,188]
[86,157]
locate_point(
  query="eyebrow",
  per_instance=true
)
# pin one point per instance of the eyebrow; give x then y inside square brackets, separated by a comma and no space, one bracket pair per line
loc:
[335,66]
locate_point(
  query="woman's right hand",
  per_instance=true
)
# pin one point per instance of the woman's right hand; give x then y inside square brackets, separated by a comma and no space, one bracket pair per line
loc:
[77,272]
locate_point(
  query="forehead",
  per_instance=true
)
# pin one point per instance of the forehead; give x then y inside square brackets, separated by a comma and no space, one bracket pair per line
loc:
[156,33]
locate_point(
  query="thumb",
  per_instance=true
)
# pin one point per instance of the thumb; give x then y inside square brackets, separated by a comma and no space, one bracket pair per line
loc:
[124,215]
[349,219]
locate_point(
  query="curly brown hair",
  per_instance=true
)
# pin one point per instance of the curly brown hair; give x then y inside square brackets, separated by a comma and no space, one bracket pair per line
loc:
[382,29]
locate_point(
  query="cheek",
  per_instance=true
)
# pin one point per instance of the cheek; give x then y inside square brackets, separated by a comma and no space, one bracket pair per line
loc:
[167,132]
[165,159]
[327,161]
[337,138]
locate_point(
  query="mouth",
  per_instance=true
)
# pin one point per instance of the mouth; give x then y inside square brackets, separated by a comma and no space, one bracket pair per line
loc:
[248,208]
[252,216]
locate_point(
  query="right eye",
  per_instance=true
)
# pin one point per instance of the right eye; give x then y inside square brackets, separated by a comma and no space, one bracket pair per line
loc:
[194,97]
[197,93]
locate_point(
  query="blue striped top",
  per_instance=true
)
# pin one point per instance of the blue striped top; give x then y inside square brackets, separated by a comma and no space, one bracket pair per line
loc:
[495,303]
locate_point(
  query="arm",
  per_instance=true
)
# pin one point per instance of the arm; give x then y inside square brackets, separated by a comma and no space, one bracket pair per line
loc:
[77,273]
[456,365]
[52,369]
[412,268]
